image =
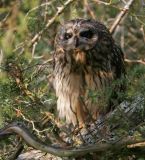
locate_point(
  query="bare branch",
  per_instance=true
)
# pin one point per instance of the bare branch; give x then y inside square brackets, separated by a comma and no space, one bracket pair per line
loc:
[109,4]
[140,61]
[143,32]
[121,15]
[37,7]
[1,57]
[89,10]
[105,3]
[64,152]
[19,113]
[51,21]
[139,144]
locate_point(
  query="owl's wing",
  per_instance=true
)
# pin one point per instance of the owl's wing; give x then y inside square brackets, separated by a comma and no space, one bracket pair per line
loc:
[117,62]
[119,86]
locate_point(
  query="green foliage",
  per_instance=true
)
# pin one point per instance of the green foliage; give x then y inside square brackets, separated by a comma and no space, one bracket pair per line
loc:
[136,81]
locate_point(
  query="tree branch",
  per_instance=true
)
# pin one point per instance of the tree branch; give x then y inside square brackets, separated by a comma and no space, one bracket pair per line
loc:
[51,21]
[138,61]
[64,152]
[121,15]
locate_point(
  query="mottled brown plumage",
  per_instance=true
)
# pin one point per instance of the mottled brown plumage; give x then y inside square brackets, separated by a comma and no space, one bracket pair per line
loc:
[86,59]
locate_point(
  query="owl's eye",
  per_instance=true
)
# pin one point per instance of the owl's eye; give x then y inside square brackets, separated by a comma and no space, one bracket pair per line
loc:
[87,34]
[67,36]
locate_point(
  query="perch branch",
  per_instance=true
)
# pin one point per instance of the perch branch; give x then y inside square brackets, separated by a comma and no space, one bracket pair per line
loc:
[51,21]
[121,15]
[64,152]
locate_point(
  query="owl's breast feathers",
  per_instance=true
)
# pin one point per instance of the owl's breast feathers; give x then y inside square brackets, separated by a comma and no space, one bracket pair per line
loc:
[79,56]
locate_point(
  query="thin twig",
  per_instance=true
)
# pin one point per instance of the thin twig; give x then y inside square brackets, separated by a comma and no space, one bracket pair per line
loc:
[139,20]
[140,61]
[140,144]
[19,113]
[89,10]
[2,22]
[33,49]
[121,15]
[51,21]
[143,32]
[1,58]
[105,3]
[37,7]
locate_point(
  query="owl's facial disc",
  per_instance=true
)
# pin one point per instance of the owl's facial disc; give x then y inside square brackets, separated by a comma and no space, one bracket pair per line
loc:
[78,38]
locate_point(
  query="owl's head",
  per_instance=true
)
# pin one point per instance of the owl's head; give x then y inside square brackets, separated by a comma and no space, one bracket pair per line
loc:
[79,34]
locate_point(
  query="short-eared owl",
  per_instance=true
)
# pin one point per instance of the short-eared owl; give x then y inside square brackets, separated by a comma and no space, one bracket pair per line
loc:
[86,59]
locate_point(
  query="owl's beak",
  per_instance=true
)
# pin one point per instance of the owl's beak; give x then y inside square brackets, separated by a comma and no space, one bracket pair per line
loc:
[76,42]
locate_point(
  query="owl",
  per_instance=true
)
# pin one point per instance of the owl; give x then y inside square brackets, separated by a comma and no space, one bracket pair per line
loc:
[86,60]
